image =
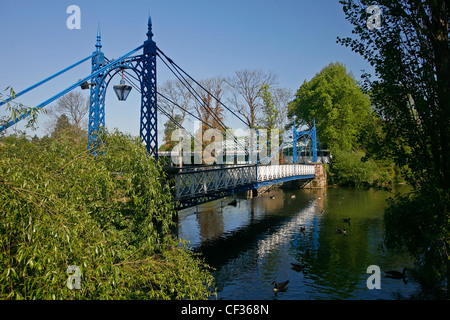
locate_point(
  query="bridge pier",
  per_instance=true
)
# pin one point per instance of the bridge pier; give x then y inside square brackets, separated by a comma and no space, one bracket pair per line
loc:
[320,181]
[255,192]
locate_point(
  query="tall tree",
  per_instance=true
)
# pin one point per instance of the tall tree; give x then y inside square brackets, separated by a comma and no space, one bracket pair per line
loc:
[63,127]
[411,93]
[245,98]
[281,99]
[335,101]
[271,114]
[76,107]
[209,110]
[180,95]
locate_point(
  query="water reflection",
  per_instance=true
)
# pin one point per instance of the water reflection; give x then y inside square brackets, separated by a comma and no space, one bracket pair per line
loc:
[256,242]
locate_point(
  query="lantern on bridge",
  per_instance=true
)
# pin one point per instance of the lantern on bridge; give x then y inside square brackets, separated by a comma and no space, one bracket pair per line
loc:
[122,90]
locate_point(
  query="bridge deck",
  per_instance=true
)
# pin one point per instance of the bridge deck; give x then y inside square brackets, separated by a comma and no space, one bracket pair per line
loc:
[194,185]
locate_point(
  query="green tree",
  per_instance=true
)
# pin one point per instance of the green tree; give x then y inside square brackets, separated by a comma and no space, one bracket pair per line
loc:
[270,112]
[169,128]
[62,126]
[411,93]
[334,99]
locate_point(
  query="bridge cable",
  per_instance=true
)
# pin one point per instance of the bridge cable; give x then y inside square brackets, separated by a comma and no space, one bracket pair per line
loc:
[179,68]
[200,101]
[196,95]
[164,111]
[45,80]
[70,88]
[233,113]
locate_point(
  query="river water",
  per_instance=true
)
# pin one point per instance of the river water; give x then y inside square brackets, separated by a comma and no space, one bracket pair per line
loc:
[253,243]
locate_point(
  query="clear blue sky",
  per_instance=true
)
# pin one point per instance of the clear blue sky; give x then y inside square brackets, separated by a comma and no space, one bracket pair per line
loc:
[293,38]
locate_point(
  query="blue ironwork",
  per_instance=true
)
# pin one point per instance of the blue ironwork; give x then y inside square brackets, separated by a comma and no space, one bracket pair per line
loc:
[68,89]
[149,116]
[308,134]
[144,67]
[17,95]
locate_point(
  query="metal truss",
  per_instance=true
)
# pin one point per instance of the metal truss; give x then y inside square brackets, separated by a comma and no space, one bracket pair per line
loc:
[144,66]
[308,134]
[193,187]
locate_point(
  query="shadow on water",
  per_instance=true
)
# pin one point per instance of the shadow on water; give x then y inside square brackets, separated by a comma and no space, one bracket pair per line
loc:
[291,235]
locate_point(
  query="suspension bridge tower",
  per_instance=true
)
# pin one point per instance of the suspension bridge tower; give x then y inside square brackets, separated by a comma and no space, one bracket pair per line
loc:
[144,67]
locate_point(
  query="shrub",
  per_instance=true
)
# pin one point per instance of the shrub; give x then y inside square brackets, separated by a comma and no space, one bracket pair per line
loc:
[350,169]
[111,215]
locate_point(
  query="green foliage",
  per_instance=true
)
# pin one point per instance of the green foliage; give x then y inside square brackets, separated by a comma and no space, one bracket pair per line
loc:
[270,113]
[15,110]
[411,93]
[62,127]
[348,169]
[340,108]
[110,214]
[169,129]
[345,124]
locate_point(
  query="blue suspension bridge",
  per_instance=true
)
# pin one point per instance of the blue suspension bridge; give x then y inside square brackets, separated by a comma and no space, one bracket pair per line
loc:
[193,185]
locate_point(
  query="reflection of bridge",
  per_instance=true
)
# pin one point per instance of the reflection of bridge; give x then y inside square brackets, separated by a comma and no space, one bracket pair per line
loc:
[192,186]
[286,232]
[265,248]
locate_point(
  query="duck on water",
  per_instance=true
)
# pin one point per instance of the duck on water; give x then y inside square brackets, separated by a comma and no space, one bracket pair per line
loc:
[279,287]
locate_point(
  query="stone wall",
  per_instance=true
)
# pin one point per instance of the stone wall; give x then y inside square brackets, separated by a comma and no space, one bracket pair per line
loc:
[320,181]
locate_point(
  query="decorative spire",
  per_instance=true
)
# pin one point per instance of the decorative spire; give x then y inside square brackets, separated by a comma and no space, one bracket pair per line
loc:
[149,32]
[99,39]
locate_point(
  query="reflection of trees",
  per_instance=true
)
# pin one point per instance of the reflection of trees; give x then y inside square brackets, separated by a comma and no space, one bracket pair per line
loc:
[340,260]
[210,223]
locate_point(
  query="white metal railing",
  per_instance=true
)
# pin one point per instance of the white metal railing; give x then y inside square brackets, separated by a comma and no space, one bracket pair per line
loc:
[195,182]
[273,172]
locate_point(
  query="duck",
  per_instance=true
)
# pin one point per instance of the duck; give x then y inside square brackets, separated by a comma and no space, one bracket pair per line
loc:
[342,231]
[302,229]
[272,197]
[279,287]
[298,267]
[347,220]
[293,196]
[233,203]
[396,274]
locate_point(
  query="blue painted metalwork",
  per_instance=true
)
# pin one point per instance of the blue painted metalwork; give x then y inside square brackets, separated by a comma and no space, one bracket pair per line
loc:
[145,68]
[149,116]
[309,134]
[17,95]
[68,89]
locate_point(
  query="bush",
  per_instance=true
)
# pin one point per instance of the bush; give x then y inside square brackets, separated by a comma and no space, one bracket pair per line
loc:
[111,215]
[350,169]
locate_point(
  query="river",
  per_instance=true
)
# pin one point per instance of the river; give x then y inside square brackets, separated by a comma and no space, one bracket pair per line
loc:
[253,243]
